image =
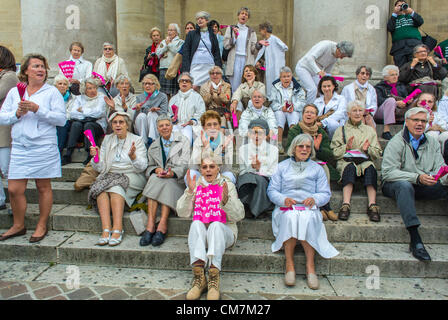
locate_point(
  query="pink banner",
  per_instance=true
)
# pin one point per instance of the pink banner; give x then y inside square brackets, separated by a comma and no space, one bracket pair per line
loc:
[67,68]
[412,95]
[175,112]
[439,51]
[354,152]
[442,172]
[98,76]
[298,208]
[207,204]
[89,135]
[235,120]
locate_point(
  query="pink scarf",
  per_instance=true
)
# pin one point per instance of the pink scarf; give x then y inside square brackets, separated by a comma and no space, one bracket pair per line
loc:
[394,88]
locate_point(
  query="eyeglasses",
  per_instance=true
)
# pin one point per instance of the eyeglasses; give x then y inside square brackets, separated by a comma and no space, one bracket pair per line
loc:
[422,121]
[259,132]
[108,49]
[211,166]
[422,51]
[148,83]
[304,146]
[184,80]
[364,73]
[118,122]
[215,73]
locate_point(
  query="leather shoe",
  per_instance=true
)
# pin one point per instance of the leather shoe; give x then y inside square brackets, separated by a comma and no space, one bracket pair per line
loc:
[419,252]
[344,212]
[386,135]
[146,238]
[17,234]
[37,239]
[158,238]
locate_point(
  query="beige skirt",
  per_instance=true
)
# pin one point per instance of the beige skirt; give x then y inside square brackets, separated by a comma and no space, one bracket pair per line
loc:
[137,182]
[164,191]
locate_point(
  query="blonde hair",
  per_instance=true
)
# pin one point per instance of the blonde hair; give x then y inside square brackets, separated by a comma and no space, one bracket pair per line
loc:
[153,78]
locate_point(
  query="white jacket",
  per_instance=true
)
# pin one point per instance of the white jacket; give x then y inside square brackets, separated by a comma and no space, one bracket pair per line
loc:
[371,100]
[337,103]
[278,97]
[250,114]
[195,107]
[319,57]
[166,52]
[94,110]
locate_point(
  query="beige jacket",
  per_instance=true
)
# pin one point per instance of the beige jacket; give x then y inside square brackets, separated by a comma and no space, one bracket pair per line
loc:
[234,208]
[361,133]
[251,50]
[214,99]
[8,80]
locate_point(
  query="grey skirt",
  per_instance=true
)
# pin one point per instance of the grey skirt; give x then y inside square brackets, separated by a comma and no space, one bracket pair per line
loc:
[164,191]
[252,191]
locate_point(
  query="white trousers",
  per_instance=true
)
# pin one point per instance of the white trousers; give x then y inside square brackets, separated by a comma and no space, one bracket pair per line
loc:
[4,164]
[217,237]
[293,118]
[308,82]
[146,125]
[187,131]
[238,68]
[331,127]
[440,136]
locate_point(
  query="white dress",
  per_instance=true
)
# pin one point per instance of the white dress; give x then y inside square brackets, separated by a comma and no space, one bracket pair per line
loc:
[34,152]
[299,181]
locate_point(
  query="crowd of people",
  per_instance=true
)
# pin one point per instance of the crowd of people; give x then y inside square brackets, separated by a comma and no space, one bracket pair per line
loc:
[208,95]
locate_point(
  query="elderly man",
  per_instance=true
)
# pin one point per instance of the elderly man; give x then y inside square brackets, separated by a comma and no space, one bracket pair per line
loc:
[403,26]
[288,100]
[186,107]
[410,161]
[256,110]
[318,62]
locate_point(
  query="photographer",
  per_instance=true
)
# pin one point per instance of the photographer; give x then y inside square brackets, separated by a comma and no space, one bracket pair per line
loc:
[403,26]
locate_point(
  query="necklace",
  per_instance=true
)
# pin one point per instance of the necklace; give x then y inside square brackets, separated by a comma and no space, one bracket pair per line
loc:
[118,153]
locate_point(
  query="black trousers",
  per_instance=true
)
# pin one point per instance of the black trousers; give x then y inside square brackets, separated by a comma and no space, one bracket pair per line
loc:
[77,129]
[370,176]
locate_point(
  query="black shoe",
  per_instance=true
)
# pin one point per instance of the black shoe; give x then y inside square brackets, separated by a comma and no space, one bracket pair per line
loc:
[146,238]
[66,160]
[419,252]
[158,239]
[3,206]
[89,157]
[386,135]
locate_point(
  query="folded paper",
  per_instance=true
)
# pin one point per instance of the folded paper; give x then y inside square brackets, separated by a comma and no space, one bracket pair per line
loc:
[442,172]
[21,87]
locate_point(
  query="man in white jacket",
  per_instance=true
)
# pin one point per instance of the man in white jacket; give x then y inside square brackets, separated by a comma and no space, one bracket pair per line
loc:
[318,62]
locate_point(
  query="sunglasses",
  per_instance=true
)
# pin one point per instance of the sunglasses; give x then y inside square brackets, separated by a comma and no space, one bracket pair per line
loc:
[108,49]
[211,166]
[184,80]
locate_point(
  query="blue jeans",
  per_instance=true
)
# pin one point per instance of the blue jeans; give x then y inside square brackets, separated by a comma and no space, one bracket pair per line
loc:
[62,133]
[405,194]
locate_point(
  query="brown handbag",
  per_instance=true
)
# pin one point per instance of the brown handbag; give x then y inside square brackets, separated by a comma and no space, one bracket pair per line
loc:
[173,68]
[87,177]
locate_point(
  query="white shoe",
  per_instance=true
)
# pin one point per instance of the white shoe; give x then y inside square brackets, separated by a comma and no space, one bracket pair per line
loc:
[104,241]
[115,242]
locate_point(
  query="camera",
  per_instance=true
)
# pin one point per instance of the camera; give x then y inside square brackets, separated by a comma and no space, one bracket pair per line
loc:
[404,6]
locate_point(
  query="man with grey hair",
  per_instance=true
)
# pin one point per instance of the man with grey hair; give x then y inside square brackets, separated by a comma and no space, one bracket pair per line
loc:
[410,161]
[318,62]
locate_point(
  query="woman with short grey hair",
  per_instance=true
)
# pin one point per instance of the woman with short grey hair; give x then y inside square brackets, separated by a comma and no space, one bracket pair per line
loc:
[201,50]
[62,84]
[125,101]
[298,188]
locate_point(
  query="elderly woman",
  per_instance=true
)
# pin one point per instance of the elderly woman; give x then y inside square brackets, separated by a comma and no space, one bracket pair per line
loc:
[332,106]
[186,107]
[150,104]
[124,102]
[214,225]
[83,68]
[273,50]
[362,90]
[34,154]
[168,160]
[391,93]
[424,71]
[110,66]
[62,84]
[151,61]
[288,99]
[216,94]
[436,127]
[201,51]
[242,95]
[241,41]
[166,52]
[213,141]
[257,110]
[322,149]
[122,162]
[318,62]
[258,160]
[355,147]
[88,113]
[298,188]
[8,80]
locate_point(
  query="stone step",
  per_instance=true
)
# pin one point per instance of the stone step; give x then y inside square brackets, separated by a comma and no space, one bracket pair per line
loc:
[252,256]
[63,193]
[358,228]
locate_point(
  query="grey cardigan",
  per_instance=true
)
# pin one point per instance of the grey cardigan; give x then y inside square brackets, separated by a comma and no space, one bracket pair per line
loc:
[8,80]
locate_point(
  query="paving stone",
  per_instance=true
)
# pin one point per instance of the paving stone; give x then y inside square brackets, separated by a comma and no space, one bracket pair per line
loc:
[4,284]
[81,294]
[21,271]
[101,289]
[47,292]
[243,296]
[181,296]
[59,298]
[22,297]
[170,292]
[150,295]
[13,290]
[117,294]
[133,292]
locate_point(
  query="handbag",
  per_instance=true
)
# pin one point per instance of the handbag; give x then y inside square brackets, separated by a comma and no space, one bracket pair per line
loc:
[429,41]
[225,52]
[174,66]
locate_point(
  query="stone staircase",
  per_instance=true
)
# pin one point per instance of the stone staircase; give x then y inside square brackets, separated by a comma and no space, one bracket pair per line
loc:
[74,230]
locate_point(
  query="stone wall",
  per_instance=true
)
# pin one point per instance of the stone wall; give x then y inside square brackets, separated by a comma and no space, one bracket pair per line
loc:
[10,27]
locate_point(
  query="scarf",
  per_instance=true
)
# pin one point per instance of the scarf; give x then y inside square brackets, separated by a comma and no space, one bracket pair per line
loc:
[216,86]
[215,143]
[311,130]
[154,59]
[394,88]
[184,105]
[206,184]
[361,91]
[66,96]
[112,72]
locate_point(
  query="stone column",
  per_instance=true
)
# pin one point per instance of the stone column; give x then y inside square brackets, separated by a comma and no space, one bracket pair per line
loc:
[48,27]
[361,21]
[134,20]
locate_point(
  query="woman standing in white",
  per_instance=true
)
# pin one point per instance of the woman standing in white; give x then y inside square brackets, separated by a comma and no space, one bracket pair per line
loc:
[34,153]
[318,62]
[241,40]
[83,68]
[273,50]
[298,188]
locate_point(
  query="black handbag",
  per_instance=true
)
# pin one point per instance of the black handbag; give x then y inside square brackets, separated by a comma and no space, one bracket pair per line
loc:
[225,52]
[429,41]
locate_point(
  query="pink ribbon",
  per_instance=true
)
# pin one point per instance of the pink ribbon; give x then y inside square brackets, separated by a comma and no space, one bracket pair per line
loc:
[175,111]
[262,68]
[442,172]
[299,208]
[89,135]
[370,110]
[412,95]
[439,51]
[354,152]
[322,163]
[235,120]
[98,76]
[147,98]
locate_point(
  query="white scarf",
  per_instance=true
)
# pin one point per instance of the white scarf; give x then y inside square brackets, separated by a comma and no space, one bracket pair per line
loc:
[216,181]
[113,68]
[216,86]
[184,105]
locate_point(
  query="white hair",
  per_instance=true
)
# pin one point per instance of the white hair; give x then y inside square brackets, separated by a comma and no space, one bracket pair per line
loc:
[176,26]
[298,140]
[94,81]
[285,69]
[203,14]
[416,110]
[109,44]
[121,78]
[60,77]
[355,103]
[256,90]
[388,68]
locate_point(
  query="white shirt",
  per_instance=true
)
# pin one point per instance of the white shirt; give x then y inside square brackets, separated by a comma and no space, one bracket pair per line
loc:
[336,103]
[267,155]
[241,41]
[203,52]
[319,57]
[89,109]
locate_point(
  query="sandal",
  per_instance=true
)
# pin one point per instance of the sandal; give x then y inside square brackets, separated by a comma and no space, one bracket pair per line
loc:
[115,242]
[344,212]
[374,212]
[103,241]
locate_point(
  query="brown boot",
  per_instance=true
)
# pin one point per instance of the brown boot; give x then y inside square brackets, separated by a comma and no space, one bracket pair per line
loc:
[213,284]
[199,284]
[324,214]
